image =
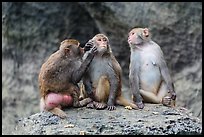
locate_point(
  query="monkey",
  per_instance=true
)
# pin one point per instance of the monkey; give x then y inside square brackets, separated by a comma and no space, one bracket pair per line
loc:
[102,82]
[149,77]
[59,77]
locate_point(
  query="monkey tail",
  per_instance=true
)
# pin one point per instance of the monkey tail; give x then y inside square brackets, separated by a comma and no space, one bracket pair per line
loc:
[122,101]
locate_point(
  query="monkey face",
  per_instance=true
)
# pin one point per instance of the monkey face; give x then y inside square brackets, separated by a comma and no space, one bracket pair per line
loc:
[137,36]
[101,44]
[134,37]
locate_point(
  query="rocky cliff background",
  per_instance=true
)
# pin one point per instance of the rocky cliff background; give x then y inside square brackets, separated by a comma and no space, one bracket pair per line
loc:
[31,31]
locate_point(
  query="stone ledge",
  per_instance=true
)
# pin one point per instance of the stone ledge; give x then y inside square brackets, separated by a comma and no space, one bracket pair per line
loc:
[154,119]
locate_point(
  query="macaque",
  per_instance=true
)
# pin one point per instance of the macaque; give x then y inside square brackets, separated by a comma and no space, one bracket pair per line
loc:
[102,81]
[59,77]
[149,76]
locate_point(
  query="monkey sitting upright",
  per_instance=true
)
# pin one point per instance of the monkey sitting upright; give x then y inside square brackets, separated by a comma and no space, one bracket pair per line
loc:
[149,75]
[102,81]
[59,77]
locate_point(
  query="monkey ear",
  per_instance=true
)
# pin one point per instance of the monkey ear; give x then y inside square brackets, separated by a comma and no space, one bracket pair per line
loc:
[66,51]
[145,32]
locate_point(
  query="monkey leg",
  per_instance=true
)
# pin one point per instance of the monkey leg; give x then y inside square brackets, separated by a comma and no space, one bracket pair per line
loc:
[150,97]
[85,101]
[122,101]
[82,92]
[160,98]
[90,105]
[42,104]
[166,97]
[102,93]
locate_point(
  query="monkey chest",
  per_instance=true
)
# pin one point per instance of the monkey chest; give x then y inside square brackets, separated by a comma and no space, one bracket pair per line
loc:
[98,69]
[150,73]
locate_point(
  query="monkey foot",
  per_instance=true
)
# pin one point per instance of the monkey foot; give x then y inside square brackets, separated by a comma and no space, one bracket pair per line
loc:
[85,101]
[61,115]
[140,105]
[99,105]
[90,105]
[111,108]
[166,101]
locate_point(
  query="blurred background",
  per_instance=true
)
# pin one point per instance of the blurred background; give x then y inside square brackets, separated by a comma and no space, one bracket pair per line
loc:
[32,31]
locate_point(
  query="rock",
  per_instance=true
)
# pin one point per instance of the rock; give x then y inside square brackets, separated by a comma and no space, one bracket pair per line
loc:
[152,120]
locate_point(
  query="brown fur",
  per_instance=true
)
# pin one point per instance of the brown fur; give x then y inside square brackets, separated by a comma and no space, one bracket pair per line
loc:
[62,72]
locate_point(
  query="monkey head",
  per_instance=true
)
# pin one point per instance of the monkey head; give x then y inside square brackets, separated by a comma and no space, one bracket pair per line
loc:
[71,47]
[138,36]
[101,41]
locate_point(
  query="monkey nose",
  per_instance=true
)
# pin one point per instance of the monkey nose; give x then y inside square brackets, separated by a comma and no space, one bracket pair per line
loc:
[129,40]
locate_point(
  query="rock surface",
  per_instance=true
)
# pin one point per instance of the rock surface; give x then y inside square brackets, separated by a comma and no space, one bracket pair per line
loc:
[32,31]
[152,120]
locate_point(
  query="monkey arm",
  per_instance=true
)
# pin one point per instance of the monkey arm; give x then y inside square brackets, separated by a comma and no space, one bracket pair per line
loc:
[77,74]
[134,86]
[167,78]
[114,83]
[114,79]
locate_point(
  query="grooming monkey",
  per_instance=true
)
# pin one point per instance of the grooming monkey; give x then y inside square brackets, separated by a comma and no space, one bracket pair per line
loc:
[149,76]
[59,77]
[102,82]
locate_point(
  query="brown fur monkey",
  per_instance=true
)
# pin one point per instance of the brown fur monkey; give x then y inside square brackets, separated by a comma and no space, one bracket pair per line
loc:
[103,79]
[59,76]
[149,75]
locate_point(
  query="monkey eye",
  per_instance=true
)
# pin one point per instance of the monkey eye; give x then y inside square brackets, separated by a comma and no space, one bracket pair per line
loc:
[99,39]
[132,33]
[104,39]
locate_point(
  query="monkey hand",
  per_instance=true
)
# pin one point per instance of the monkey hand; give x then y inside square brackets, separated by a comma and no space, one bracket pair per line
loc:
[168,101]
[88,45]
[92,52]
